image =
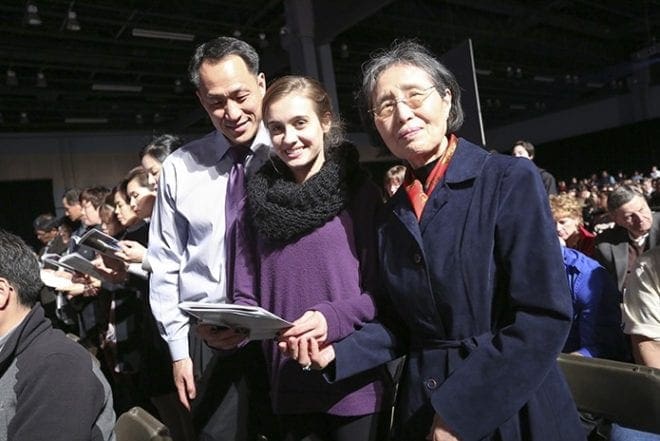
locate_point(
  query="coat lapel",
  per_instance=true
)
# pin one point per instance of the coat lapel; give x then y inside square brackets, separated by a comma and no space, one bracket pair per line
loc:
[466,165]
[400,206]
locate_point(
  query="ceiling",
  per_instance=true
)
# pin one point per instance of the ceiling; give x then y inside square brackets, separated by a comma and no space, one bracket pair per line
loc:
[532,57]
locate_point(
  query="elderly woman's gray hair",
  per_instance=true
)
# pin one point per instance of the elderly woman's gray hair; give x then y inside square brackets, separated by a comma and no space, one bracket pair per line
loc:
[410,53]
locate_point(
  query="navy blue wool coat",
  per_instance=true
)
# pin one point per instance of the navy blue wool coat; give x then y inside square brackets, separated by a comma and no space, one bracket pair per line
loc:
[479,302]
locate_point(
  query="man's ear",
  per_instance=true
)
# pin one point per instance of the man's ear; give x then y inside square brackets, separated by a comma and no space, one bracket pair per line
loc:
[6,291]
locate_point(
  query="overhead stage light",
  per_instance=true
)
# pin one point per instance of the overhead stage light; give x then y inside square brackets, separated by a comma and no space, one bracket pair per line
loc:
[32,14]
[12,79]
[41,80]
[72,23]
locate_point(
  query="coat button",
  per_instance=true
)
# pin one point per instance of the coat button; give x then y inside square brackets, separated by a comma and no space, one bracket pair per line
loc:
[417,258]
[431,383]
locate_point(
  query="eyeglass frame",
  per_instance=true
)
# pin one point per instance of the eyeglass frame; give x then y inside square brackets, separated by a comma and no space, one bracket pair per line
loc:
[426,92]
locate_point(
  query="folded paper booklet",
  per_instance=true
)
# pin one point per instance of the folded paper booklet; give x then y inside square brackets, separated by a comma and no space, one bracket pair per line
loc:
[260,324]
[75,262]
[100,242]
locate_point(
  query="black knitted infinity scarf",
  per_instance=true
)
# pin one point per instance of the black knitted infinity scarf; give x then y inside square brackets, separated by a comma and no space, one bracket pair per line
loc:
[283,210]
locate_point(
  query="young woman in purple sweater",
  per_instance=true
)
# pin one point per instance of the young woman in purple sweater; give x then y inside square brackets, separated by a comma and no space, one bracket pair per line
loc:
[308,254]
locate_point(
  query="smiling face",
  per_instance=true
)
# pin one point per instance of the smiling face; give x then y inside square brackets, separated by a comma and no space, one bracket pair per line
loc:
[414,135]
[152,166]
[231,95]
[141,199]
[297,134]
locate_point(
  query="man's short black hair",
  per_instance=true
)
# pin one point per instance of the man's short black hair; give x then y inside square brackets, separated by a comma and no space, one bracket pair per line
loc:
[18,264]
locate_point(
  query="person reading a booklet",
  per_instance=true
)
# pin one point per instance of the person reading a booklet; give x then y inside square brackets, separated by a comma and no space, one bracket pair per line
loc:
[309,257]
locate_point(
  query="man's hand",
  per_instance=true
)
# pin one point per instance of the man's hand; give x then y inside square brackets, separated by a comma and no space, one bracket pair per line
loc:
[222,338]
[440,431]
[184,381]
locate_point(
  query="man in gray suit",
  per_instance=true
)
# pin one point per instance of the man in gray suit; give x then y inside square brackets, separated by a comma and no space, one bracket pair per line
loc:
[637,230]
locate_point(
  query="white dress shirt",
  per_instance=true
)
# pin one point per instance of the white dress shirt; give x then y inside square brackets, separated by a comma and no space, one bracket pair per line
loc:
[187,232]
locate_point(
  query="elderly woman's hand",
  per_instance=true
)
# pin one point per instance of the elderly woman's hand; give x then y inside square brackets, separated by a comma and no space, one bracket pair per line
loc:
[222,338]
[319,356]
[440,431]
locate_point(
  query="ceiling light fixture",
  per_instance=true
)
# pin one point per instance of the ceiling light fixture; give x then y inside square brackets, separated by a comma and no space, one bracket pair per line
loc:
[85,120]
[178,86]
[12,79]
[484,72]
[149,33]
[41,80]
[237,33]
[72,23]
[343,50]
[263,42]
[32,14]
[103,87]
[24,118]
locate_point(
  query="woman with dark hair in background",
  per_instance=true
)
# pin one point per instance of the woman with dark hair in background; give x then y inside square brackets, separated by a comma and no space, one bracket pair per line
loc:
[154,153]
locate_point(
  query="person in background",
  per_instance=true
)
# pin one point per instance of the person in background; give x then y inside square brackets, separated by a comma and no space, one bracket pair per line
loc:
[393,179]
[641,309]
[567,213]
[199,190]
[154,153]
[156,379]
[641,320]
[525,149]
[51,387]
[637,230]
[45,228]
[478,297]
[309,256]
[596,326]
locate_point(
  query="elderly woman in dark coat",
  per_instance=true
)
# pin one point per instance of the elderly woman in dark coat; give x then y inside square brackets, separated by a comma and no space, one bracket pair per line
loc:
[478,298]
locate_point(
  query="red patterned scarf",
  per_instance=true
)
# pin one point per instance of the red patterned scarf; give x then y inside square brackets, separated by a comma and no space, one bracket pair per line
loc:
[416,193]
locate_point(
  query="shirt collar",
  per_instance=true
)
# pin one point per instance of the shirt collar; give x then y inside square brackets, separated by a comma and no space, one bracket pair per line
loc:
[639,241]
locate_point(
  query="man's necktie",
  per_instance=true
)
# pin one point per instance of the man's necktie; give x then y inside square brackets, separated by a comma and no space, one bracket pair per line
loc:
[234,204]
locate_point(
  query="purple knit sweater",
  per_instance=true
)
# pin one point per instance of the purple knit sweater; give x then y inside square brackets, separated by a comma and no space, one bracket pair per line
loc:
[331,270]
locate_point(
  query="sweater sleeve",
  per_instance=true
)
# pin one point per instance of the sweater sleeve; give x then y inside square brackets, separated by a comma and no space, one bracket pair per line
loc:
[345,315]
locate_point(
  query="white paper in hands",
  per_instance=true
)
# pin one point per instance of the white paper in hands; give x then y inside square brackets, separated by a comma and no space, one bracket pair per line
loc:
[49,278]
[261,324]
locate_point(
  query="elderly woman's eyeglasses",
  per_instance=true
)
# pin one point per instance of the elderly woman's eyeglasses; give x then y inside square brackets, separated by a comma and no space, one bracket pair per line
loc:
[414,99]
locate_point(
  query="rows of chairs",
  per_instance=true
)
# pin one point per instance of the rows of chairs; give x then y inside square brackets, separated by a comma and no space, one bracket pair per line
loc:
[625,393]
